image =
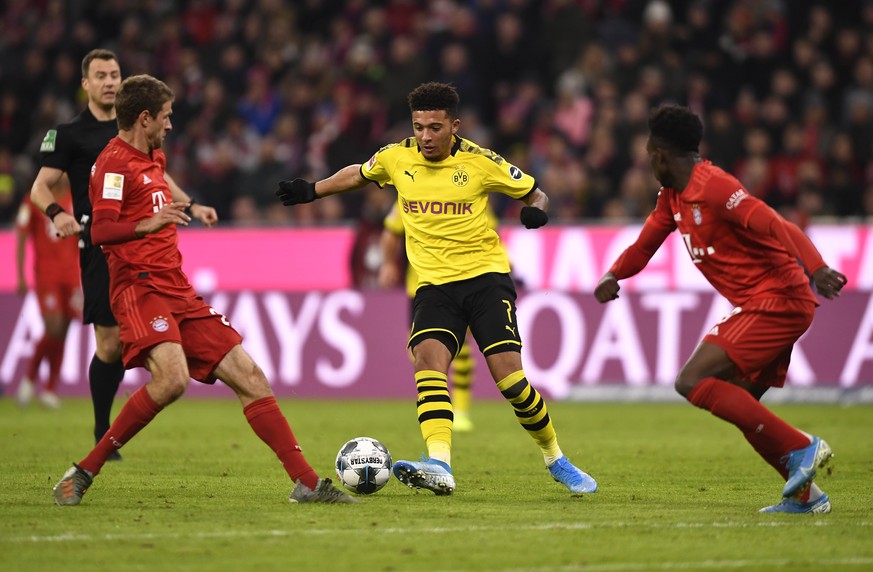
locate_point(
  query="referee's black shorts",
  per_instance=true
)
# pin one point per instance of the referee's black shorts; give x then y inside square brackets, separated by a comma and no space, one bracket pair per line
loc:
[485,304]
[95,287]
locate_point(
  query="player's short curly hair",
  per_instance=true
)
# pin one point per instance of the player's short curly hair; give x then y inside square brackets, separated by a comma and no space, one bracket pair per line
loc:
[137,94]
[434,96]
[676,127]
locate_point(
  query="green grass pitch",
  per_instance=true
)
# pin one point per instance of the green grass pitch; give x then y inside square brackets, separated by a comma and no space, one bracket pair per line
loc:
[679,490]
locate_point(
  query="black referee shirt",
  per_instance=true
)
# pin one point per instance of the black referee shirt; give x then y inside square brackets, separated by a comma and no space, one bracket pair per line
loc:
[73,147]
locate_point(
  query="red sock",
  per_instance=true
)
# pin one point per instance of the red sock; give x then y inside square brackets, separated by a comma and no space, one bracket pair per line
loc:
[770,453]
[39,352]
[55,354]
[270,425]
[737,406]
[139,410]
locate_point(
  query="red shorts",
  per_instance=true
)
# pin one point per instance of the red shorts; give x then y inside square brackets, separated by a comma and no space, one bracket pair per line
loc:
[759,336]
[148,317]
[60,298]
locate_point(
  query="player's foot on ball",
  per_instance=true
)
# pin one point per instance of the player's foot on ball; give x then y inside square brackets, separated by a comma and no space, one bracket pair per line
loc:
[72,486]
[803,463]
[324,492]
[430,474]
[572,477]
[821,505]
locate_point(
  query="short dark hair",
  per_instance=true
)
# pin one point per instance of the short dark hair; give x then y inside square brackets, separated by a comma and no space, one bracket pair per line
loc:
[97,54]
[140,93]
[676,127]
[434,96]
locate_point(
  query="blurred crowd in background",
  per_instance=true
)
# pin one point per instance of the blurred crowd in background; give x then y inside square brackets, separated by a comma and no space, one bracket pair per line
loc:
[270,89]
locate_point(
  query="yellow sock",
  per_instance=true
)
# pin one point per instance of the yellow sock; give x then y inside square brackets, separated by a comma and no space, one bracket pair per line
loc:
[532,413]
[435,414]
[462,379]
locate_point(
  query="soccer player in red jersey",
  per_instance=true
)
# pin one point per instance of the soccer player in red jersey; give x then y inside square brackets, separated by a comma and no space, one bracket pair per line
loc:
[750,256]
[56,271]
[165,326]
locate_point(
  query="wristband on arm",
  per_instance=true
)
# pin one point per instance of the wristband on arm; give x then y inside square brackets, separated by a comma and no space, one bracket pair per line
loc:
[54,210]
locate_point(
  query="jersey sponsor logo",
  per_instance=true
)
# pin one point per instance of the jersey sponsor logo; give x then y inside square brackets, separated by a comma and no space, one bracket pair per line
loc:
[736,199]
[160,324]
[677,217]
[437,207]
[158,201]
[696,252]
[515,173]
[113,183]
[49,141]
[371,162]
[145,179]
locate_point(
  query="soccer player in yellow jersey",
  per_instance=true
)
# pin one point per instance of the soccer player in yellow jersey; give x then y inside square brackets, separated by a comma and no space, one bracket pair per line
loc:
[463,365]
[443,181]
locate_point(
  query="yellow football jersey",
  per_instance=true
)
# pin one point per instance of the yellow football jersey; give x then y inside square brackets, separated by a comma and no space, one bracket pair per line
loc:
[444,206]
[393,224]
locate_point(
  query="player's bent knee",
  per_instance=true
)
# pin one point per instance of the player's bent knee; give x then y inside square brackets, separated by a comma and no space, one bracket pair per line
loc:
[684,384]
[167,389]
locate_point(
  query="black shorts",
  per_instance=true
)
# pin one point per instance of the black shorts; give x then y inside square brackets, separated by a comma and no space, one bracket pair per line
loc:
[95,287]
[485,304]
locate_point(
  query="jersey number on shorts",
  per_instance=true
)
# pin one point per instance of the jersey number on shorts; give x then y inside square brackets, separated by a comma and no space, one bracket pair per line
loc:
[215,312]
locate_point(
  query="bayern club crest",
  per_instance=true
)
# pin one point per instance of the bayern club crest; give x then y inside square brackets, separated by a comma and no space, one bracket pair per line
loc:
[160,324]
[695,213]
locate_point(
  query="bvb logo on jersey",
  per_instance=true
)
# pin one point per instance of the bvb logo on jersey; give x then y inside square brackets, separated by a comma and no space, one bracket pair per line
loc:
[460,178]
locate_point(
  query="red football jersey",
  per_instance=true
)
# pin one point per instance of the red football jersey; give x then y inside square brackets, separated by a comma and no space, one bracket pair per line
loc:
[131,184]
[56,260]
[712,213]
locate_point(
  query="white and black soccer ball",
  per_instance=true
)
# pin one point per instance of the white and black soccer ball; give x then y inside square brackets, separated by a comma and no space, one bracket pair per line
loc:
[363,465]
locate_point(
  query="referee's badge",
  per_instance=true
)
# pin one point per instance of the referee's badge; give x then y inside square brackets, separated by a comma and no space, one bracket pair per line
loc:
[49,141]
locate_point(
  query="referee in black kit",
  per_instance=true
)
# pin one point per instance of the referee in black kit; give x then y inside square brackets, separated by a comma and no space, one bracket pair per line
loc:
[72,148]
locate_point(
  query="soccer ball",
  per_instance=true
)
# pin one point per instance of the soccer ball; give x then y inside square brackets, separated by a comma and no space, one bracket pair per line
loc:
[363,465]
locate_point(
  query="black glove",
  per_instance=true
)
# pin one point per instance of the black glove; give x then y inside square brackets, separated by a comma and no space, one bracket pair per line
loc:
[85,233]
[296,192]
[532,217]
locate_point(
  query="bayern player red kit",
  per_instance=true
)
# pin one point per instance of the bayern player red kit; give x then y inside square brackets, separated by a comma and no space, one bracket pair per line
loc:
[56,260]
[729,235]
[150,294]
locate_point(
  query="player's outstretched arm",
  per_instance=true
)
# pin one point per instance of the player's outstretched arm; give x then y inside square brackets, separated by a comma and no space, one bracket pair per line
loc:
[301,191]
[535,214]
